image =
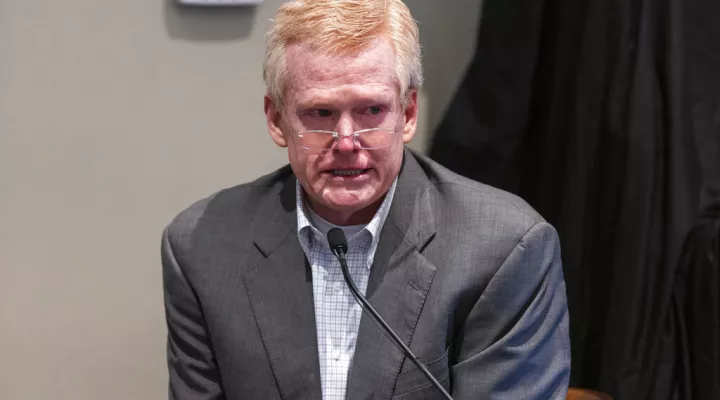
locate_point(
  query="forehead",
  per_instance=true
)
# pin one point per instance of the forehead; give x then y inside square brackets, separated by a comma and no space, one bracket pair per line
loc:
[313,73]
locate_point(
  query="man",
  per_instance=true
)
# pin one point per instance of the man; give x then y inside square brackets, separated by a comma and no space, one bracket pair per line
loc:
[468,276]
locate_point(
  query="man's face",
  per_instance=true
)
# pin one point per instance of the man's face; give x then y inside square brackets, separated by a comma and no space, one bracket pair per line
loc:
[346,184]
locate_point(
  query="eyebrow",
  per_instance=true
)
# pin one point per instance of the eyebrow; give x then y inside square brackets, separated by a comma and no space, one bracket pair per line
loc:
[369,96]
[322,102]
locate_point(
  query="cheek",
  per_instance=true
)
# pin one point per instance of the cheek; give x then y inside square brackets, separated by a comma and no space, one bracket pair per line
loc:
[389,161]
[309,165]
[299,162]
[306,166]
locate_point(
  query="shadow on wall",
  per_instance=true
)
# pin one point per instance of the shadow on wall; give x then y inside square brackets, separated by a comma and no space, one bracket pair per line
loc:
[198,23]
[448,32]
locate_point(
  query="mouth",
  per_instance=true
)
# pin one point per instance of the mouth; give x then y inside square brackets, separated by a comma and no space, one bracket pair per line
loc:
[348,173]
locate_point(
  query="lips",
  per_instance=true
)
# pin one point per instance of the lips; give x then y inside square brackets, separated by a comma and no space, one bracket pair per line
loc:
[348,172]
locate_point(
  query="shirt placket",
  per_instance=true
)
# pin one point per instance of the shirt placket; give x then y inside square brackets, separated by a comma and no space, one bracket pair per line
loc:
[336,309]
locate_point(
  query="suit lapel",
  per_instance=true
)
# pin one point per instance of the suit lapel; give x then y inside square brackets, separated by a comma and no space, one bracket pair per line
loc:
[399,283]
[279,286]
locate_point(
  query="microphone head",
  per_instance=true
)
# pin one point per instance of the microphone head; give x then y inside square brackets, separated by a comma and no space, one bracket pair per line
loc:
[336,239]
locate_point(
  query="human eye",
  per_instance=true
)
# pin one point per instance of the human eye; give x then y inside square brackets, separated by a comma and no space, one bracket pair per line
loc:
[374,110]
[319,112]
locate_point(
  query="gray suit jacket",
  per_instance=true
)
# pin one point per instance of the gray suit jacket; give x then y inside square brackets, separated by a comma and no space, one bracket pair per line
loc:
[468,275]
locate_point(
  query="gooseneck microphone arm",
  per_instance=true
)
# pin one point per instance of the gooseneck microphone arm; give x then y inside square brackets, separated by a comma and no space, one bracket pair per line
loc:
[338,245]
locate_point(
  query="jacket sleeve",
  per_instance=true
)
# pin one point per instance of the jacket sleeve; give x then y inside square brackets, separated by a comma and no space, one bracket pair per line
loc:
[191,364]
[515,342]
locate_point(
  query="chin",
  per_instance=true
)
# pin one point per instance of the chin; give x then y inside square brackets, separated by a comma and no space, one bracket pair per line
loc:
[345,204]
[347,200]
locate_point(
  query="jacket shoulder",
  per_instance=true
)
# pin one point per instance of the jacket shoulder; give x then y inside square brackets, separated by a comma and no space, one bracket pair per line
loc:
[237,202]
[469,197]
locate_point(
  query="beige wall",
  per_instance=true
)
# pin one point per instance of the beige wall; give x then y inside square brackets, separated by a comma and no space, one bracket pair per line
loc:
[114,115]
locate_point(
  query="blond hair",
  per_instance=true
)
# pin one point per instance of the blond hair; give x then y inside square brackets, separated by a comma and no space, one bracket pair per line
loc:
[342,27]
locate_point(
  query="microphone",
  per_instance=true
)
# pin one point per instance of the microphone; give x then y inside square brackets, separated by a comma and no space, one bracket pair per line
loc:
[338,245]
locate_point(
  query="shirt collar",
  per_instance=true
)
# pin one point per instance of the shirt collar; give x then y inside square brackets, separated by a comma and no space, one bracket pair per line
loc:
[373,227]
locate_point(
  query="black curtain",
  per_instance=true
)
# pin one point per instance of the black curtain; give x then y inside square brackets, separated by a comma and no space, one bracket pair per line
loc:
[605,116]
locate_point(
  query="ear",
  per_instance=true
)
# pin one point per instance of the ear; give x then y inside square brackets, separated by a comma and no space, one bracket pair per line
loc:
[273,116]
[411,116]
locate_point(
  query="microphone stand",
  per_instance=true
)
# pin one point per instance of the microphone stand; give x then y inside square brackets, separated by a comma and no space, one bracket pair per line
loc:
[338,245]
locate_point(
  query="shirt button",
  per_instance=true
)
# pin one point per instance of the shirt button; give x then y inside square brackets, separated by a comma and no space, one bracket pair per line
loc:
[337,286]
[336,355]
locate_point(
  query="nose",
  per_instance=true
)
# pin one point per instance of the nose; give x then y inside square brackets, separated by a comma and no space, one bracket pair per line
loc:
[346,142]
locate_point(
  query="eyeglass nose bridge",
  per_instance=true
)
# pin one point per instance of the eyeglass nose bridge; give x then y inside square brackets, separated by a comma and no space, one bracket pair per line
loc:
[358,143]
[337,136]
